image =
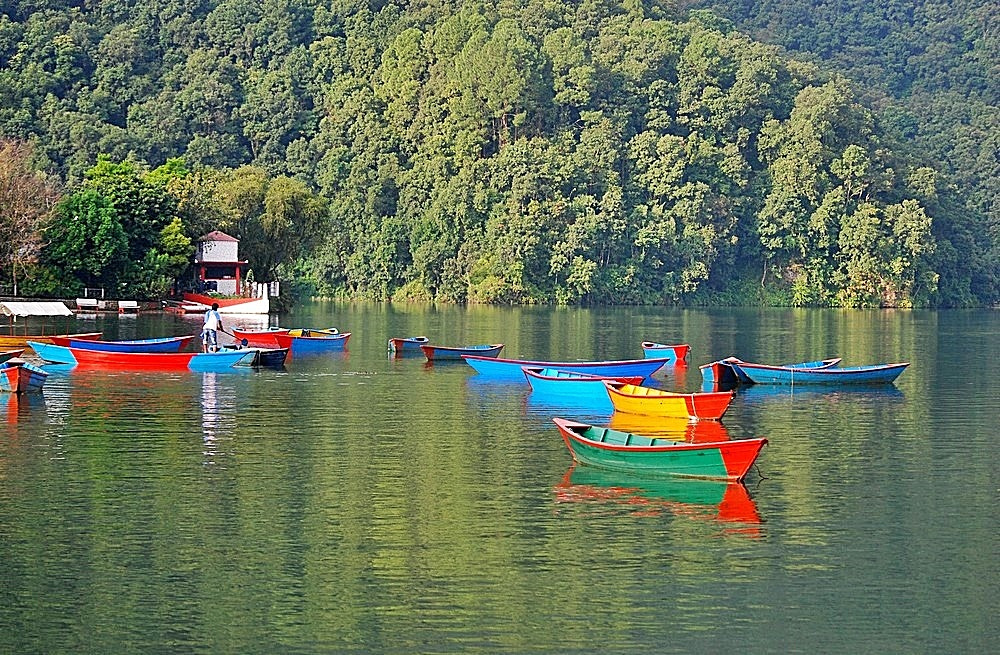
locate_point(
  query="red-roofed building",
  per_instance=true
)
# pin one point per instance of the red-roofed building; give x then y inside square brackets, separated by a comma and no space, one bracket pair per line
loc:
[217,264]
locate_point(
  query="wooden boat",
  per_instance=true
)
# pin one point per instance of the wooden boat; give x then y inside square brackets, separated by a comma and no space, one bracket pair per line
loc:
[259,338]
[673,353]
[407,345]
[156,345]
[714,500]
[580,387]
[836,375]
[52,353]
[728,370]
[10,354]
[117,361]
[19,376]
[439,353]
[496,368]
[626,451]
[308,341]
[13,309]
[21,341]
[262,357]
[635,399]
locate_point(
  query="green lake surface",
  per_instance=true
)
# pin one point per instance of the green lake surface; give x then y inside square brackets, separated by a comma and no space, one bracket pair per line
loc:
[358,503]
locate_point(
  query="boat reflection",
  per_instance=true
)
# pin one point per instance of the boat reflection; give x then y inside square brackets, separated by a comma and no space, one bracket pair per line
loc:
[711,500]
[19,406]
[677,429]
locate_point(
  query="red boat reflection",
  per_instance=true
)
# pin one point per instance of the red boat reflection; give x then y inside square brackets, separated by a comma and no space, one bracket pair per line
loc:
[709,500]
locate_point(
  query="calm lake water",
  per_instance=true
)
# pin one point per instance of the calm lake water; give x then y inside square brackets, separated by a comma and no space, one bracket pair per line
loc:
[356,503]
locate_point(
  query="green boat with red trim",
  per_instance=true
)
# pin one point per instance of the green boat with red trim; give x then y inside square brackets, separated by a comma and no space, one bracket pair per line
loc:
[626,451]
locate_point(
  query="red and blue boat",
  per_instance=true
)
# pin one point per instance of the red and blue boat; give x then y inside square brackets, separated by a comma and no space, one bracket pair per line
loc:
[831,375]
[117,361]
[626,451]
[156,345]
[310,341]
[456,353]
[673,353]
[729,370]
[18,376]
[262,337]
[407,345]
[510,370]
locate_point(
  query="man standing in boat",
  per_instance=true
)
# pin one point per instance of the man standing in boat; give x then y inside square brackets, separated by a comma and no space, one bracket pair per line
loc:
[209,331]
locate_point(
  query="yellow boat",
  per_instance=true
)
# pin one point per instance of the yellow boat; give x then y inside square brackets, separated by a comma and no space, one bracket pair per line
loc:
[635,399]
[13,309]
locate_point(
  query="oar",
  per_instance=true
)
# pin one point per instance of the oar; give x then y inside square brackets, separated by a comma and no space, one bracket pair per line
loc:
[242,342]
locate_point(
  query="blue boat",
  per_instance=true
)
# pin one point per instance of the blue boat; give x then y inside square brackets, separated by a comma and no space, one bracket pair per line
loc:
[509,370]
[445,353]
[312,342]
[580,387]
[52,353]
[156,345]
[834,375]
[728,371]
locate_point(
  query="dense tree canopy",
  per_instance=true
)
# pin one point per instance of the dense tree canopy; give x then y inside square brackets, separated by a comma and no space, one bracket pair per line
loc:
[515,151]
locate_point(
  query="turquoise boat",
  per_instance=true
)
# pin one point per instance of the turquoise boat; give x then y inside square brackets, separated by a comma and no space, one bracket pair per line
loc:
[511,370]
[52,353]
[834,375]
[581,387]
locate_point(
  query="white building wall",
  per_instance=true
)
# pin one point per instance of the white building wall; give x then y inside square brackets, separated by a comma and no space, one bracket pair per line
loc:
[218,251]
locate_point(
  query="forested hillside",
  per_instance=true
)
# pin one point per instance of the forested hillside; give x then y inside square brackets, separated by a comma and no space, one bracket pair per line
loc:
[602,151]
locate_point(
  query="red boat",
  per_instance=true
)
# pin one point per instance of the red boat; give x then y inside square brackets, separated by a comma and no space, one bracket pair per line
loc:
[262,338]
[118,361]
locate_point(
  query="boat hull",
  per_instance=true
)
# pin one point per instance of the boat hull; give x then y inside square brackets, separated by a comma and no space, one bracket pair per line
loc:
[635,399]
[445,353]
[580,387]
[52,353]
[18,376]
[672,353]
[310,345]
[730,369]
[260,338]
[510,369]
[262,357]
[407,345]
[157,345]
[116,361]
[10,354]
[625,451]
[848,375]
[13,341]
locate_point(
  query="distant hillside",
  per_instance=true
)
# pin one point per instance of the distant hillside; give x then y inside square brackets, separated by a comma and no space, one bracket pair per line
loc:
[602,151]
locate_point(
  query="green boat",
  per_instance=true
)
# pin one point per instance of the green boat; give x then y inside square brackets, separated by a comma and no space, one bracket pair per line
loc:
[625,451]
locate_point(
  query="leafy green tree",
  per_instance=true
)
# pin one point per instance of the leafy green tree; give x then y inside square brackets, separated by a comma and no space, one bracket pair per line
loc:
[85,244]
